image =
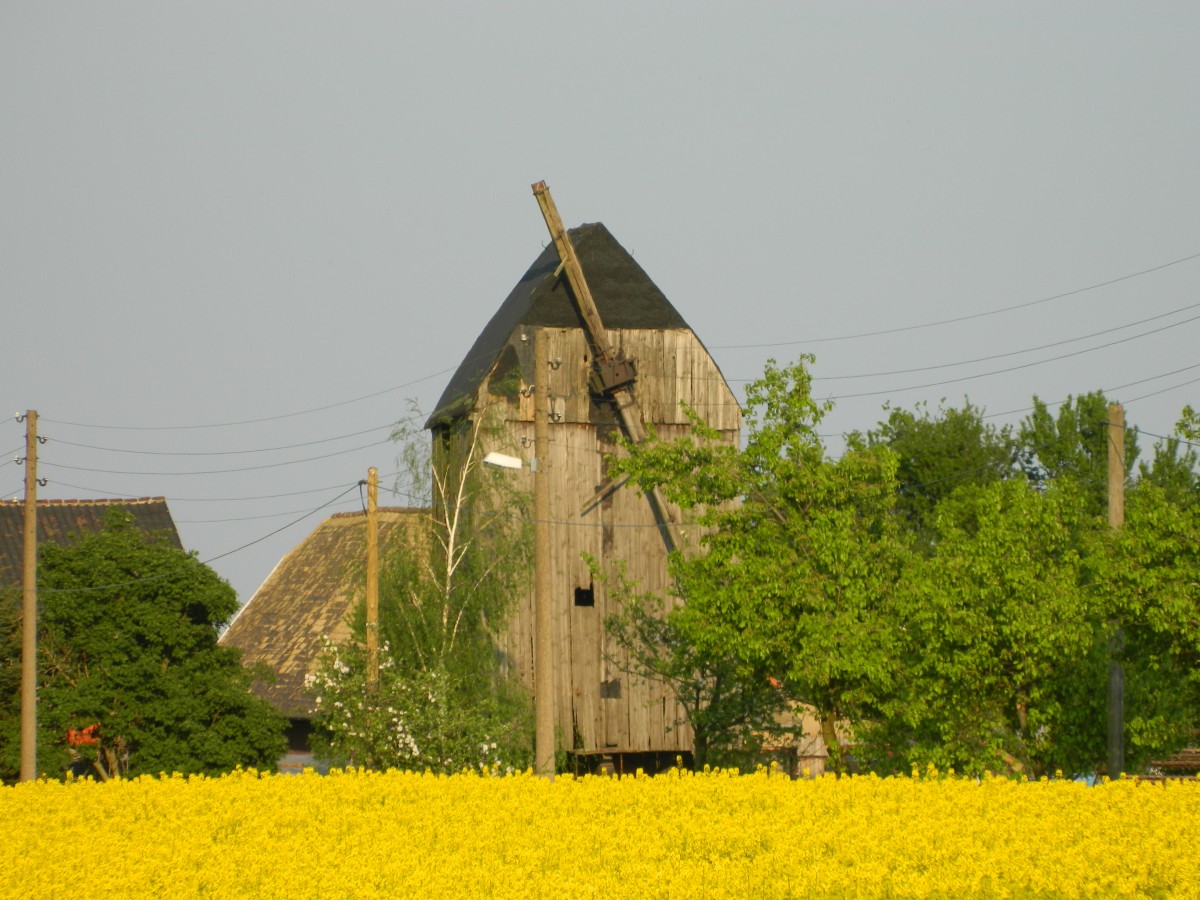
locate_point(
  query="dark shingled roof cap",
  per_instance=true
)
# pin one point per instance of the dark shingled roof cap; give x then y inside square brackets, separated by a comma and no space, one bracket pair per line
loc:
[625,297]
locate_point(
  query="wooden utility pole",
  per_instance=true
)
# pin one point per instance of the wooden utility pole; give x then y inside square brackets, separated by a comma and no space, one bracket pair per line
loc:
[1116,519]
[372,578]
[29,607]
[543,641]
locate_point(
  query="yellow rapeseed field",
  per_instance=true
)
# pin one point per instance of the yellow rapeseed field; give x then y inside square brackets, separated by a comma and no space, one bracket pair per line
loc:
[360,834]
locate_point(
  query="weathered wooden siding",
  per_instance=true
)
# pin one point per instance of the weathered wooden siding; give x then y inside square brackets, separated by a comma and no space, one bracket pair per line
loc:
[600,707]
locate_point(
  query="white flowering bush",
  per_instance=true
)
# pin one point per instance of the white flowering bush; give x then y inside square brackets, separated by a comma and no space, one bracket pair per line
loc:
[422,719]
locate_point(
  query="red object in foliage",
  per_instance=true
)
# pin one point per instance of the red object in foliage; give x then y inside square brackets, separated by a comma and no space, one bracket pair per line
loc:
[82,736]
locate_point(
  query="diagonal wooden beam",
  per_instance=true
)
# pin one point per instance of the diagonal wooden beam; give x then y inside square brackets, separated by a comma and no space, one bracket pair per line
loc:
[620,392]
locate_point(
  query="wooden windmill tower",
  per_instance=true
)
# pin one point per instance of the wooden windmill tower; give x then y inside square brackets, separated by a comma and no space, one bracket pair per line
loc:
[620,357]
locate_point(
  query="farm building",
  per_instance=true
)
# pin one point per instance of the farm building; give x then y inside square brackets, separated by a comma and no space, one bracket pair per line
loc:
[658,364]
[67,522]
[306,599]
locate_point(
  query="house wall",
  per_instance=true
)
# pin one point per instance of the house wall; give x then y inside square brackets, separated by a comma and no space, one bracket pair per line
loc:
[599,706]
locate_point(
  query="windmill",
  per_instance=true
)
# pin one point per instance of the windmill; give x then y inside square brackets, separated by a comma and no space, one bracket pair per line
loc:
[622,359]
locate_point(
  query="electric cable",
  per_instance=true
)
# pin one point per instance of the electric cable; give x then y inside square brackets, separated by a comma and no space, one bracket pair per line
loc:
[1165,390]
[278,465]
[204,562]
[389,425]
[967,362]
[1172,437]
[123,495]
[278,515]
[1028,365]
[980,315]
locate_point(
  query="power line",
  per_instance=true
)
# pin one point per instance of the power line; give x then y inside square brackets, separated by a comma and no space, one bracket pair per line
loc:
[1163,391]
[1106,391]
[105,493]
[981,315]
[204,562]
[278,515]
[388,425]
[303,412]
[1028,365]
[967,362]
[1173,437]
[293,462]
[270,534]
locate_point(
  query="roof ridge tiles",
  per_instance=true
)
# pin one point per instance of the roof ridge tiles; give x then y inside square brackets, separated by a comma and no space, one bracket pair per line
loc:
[99,501]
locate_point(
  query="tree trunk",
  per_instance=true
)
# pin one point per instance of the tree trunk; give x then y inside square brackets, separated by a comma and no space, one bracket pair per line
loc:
[699,750]
[832,748]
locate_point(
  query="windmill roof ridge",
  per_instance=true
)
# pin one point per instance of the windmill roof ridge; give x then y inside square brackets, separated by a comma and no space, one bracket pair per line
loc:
[625,297]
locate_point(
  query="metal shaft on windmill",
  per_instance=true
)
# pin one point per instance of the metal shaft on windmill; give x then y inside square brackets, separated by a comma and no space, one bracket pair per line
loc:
[612,375]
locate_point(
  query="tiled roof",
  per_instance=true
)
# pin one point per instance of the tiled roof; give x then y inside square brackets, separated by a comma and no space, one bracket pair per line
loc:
[307,597]
[67,522]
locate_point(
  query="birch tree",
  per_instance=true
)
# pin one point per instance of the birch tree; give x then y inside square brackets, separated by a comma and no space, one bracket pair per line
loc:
[445,698]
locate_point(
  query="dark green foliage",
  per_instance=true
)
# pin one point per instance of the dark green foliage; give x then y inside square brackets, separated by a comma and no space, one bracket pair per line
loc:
[996,629]
[128,643]
[1149,573]
[1173,470]
[732,706]
[1188,427]
[1073,445]
[940,453]
[796,576]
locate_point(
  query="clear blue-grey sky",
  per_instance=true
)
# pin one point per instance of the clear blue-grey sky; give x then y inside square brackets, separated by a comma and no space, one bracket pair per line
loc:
[295,216]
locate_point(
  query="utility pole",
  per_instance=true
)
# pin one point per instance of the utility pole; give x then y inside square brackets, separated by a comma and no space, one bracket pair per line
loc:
[372,578]
[29,606]
[1116,519]
[543,641]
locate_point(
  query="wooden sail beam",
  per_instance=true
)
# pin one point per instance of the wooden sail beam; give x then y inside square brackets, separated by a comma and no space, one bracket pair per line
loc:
[612,375]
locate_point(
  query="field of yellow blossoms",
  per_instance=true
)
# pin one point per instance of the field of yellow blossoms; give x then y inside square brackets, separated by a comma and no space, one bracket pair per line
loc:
[359,834]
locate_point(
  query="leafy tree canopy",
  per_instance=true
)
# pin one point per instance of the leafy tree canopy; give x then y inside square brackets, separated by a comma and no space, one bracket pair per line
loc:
[1148,571]
[996,626]
[1074,445]
[131,679]
[803,554]
[938,453]
[1189,424]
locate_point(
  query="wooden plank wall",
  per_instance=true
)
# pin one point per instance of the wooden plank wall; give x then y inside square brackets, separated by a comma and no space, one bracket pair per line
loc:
[672,366]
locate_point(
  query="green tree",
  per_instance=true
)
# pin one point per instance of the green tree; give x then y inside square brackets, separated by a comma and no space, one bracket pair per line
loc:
[1173,469]
[1073,444]
[1000,639]
[940,453]
[802,554]
[732,705]
[445,698]
[1188,427]
[1149,572]
[131,679]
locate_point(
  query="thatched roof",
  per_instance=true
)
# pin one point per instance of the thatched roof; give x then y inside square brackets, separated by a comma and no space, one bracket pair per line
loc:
[67,522]
[625,297]
[306,598]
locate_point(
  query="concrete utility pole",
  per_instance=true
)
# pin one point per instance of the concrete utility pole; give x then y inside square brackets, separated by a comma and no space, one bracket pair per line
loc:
[1116,519]
[29,607]
[372,578]
[543,642]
